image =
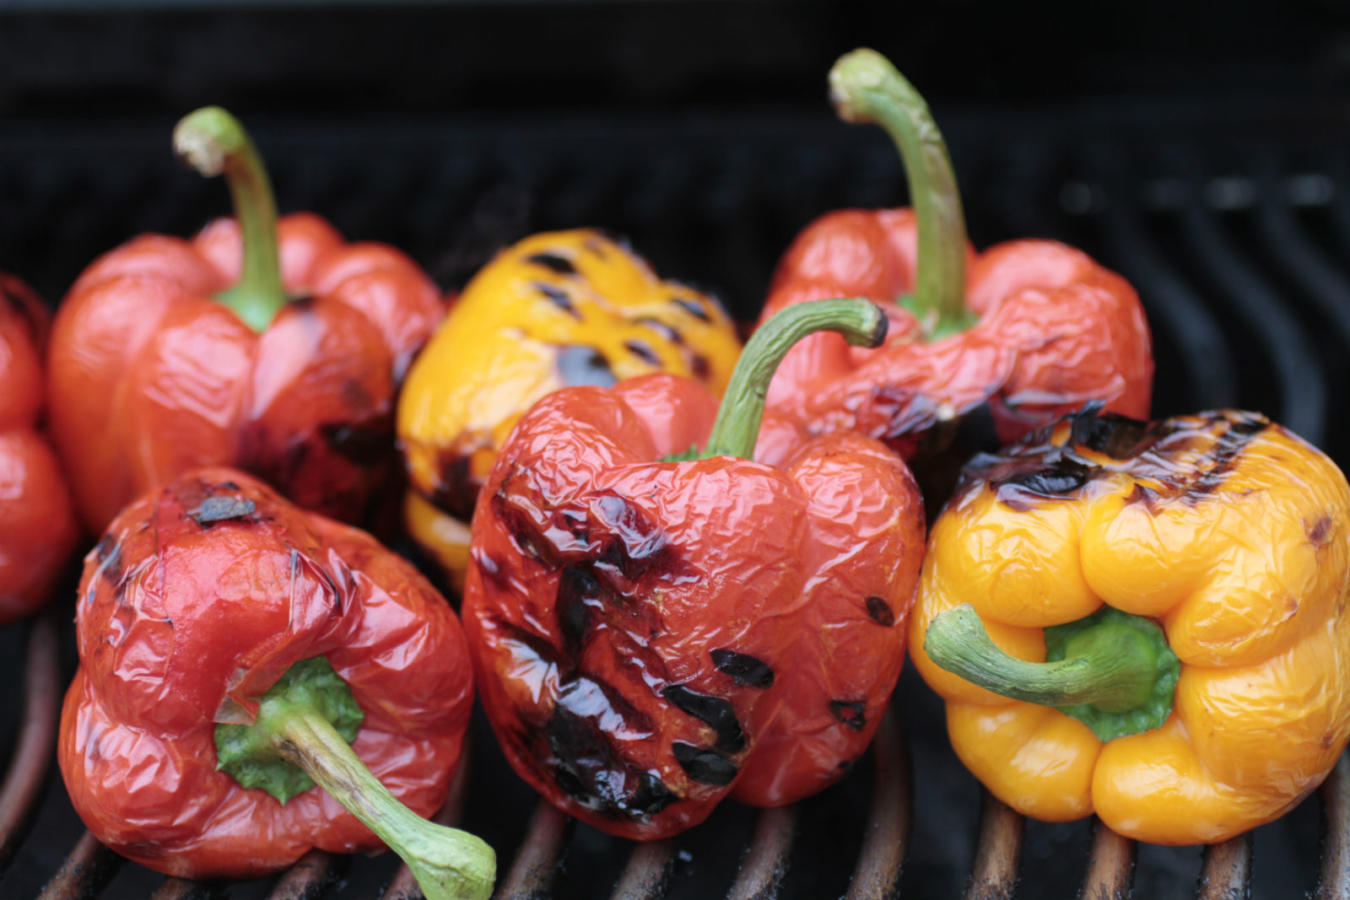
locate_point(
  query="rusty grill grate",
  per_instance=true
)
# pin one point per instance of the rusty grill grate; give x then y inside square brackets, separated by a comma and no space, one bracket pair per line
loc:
[1238,245]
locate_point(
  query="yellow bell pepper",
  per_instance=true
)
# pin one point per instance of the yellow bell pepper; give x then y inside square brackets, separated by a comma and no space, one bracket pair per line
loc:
[1147,622]
[554,310]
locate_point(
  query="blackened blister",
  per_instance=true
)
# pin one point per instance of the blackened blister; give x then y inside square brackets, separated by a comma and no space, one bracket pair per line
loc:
[713,711]
[693,307]
[553,261]
[706,766]
[221,508]
[586,766]
[109,556]
[880,611]
[581,365]
[1115,435]
[558,297]
[743,668]
[642,351]
[1061,475]
[665,329]
[577,592]
[366,442]
[850,712]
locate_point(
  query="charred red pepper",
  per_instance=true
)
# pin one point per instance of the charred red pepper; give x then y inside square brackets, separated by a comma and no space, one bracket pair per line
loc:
[232,648]
[1032,328]
[37,522]
[655,626]
[270,346]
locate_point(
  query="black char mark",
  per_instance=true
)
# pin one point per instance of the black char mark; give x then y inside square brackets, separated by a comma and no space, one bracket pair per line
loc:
[642,351]
[554,262]
[715,712]
[366,442]
[109,556]
[1116,436]
[743,668]
[1061,474]
[880,611]
[585,765]
[699,366]
[706,766]
[638,547]
[1227,448]
[582,365]
[579,594]
[666,330]
[1319,533]
[456,489]
[558,297]
[850,712]
[220,508]
[693,307]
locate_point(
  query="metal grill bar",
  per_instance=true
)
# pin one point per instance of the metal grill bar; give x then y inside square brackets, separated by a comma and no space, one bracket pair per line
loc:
[1335,875]
[647,873]
[307,879]
[1227,871]
[877,875]
[86,870]
[37,735]
[537,859]
[182,889]
[998,852]
[1110,868]
[767,862]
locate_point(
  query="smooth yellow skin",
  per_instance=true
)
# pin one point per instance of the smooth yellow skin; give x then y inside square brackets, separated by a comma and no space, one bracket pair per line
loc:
[1249,576]
[499,350]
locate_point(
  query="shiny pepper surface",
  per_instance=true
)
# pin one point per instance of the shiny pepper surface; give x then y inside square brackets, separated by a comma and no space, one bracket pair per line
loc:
[651,634]
[198,598]
[555,310]
[37,522]
[1032,329]
[1223,529]
[159,365]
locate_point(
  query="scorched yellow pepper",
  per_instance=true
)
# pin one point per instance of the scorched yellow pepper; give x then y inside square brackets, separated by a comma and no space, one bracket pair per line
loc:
[1104,558]
[554,310]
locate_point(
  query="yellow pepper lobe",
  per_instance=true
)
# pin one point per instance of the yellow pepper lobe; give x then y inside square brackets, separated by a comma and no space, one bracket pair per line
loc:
[554,310]
[1225,529]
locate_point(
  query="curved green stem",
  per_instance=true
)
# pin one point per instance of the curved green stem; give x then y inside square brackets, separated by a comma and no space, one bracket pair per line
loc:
[737,426]
[865,87]
[213,142]
[1112,671]
[301,732]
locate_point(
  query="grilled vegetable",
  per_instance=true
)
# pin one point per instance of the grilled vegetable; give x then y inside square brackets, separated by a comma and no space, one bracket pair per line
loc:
[656,625]
[37,522]
[1031,328]
[1167,610]
[270,346]
[236,650]
[554,310]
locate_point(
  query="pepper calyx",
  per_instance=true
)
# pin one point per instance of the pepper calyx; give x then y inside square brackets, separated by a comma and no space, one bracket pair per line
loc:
[214,143]
[866,88]
[246,752]
[736,428]
[1111,670]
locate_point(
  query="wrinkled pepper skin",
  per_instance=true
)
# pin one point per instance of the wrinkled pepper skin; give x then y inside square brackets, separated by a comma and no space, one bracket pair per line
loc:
[151,376]
[555,310]
[198,597]
[650,635]
[38,530]
[1225,529]
[1054,330]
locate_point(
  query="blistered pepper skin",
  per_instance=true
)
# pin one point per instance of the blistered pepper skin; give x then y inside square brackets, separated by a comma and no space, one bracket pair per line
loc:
[1227,530]
[1054,331]
[198,598]
[38,530]
[151,376]
[554,310]
[651,636]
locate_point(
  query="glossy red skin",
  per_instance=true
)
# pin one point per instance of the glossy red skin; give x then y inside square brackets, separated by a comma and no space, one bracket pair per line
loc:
[1055,330]
[603,578]
[150,376]
[183,625]
[37,521]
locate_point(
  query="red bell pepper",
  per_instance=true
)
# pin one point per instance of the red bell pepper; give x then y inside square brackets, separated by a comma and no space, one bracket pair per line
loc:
[654,626]
[1032,328]
[37,522]
[270,346]
[232,647]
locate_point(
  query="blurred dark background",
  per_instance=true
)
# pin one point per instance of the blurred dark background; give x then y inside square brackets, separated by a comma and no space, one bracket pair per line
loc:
[1199,149]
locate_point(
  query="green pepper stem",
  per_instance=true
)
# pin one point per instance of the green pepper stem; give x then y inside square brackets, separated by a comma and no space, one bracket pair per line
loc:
[213,142]
[448,864]
[736,428]
[1110,667]
[865,87]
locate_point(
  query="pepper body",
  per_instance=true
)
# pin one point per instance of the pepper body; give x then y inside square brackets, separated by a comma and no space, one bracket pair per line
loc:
[1224,529]
[651,635]
[554,310]
[151,376]
[198,598]
[38,530]
[1054,331]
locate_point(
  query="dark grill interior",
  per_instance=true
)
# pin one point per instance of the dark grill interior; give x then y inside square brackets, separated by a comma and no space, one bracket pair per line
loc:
[1232,218]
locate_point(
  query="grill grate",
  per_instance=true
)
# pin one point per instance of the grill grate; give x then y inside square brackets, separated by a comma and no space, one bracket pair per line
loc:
[1236,243]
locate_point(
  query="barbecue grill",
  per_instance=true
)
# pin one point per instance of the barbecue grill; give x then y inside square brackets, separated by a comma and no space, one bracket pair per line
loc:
[1230,216]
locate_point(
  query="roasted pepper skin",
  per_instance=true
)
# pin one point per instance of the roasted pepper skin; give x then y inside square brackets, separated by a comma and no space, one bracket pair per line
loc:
[151,377]
[1224,528]
[553,310]
[199,596]
[651,635]
[38,530]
